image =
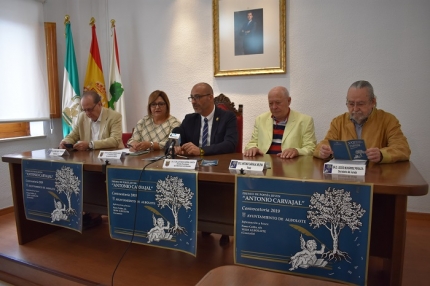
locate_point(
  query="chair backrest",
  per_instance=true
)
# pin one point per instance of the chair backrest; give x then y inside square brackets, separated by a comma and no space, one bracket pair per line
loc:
[224,102]
[126,136]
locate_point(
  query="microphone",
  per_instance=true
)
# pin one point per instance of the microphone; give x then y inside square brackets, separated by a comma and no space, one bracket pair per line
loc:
[174,139]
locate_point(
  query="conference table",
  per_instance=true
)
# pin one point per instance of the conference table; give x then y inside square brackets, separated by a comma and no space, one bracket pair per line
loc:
[392,184]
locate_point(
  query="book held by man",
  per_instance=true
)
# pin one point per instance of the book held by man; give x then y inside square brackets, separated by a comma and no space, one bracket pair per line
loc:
[349,150]
[349,158]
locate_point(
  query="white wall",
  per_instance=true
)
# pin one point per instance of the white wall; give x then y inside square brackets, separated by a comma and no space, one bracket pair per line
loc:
[165,44]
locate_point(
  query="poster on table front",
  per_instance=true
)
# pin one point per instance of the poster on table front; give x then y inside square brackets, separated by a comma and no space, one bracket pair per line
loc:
[153,207]
[310,228]
[53,192]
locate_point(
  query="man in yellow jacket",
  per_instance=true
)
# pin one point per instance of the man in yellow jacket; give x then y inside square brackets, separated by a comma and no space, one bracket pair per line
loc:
[282,131]
[380,130]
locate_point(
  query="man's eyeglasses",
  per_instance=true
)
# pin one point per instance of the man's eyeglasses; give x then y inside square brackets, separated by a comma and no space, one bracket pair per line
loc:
[351,104]
[196,97]
[275,103]
[159,104]
[90,109]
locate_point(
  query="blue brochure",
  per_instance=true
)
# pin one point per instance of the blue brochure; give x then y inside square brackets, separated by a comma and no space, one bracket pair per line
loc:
[349,150]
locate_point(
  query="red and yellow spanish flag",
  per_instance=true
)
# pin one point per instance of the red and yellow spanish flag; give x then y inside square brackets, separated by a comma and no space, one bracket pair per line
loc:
[94,79]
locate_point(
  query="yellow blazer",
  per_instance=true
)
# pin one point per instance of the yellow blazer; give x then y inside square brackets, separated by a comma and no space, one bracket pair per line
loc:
[110,130]
[299,133]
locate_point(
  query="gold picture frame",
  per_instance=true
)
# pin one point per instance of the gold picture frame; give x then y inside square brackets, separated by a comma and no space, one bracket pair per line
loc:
[249,37]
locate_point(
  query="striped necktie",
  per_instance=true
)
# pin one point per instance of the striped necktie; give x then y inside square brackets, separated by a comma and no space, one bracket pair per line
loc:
[205,133]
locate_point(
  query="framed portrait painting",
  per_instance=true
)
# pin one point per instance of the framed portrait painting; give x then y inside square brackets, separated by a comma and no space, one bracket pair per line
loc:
[249,37]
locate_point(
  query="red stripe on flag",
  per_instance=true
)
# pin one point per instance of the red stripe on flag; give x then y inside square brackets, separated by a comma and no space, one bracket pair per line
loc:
[95,53]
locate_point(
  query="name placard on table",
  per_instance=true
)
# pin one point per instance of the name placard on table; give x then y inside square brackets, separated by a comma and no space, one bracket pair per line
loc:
[179,164]
[345,167]
[111,154]
[246,165]
[58,152]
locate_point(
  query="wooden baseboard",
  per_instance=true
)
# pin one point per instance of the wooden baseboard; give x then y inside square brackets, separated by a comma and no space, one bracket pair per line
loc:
[6,210]
[418,216]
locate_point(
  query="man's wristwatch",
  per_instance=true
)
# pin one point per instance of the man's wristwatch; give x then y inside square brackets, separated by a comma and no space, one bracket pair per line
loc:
[91,145]
[202,152]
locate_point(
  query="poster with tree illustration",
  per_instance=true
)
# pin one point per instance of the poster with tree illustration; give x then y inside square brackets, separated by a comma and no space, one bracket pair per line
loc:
[310,228]
[153,207]
[53,192]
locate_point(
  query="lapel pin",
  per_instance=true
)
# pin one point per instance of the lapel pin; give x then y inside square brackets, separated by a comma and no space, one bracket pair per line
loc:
[217,118]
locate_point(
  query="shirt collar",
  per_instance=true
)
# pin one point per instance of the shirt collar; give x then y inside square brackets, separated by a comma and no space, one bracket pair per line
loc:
[286,119]
[210,116]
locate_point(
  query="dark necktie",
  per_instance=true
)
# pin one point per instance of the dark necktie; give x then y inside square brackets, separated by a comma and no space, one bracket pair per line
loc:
[205,133]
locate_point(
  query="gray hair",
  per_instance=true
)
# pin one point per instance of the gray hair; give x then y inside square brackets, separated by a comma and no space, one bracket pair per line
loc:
[364,84]
[93,94]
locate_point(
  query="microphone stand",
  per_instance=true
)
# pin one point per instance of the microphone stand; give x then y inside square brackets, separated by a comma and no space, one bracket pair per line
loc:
[171,150]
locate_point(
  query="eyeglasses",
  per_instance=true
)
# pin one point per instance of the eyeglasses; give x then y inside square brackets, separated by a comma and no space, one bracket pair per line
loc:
[90,109]
[196,97]
[275,103]
[159,104]
[359,104]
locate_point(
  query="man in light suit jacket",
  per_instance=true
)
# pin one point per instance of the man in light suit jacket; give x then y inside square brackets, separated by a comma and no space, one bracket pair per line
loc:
[221,131]
[97,127]
[282,131]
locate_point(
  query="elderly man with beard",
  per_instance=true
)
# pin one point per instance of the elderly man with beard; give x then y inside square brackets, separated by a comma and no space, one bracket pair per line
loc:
[380,130]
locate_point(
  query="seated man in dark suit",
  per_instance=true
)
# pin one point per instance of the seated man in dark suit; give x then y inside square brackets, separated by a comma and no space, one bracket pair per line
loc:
[210,130]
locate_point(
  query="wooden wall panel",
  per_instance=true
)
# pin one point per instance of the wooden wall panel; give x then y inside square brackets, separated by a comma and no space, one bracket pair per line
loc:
[51,59]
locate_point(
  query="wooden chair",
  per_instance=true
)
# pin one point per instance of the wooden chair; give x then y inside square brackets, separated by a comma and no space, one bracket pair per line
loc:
[126,136]
[224,102]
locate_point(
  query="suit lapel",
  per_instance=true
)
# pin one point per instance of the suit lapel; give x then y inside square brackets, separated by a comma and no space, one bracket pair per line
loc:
[196,132]
[290,125]
[87,129]
[103,121]
[268,130]
[215,124]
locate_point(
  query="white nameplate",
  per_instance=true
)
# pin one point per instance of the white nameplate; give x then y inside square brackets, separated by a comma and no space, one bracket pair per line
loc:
[345,167]
[246,165]
[111,154]
[58,152]
[179,164]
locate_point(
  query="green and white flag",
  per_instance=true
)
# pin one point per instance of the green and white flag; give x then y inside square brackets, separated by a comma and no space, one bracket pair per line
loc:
[116,90]
[71,94]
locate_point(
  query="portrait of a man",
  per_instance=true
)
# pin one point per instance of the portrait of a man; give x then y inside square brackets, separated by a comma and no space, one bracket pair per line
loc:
[248,29]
